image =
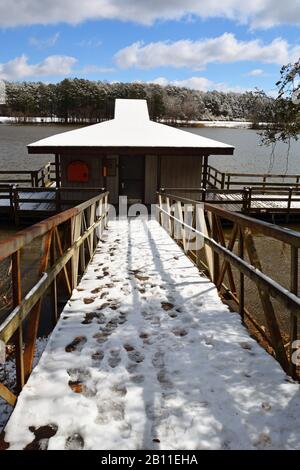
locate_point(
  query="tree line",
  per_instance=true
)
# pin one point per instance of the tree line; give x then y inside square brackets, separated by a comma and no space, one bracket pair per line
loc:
[79,100]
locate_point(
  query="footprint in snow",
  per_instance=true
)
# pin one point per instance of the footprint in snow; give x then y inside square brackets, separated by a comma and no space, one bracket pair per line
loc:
[119,389]
[179,332]
[264,440]
[74,442]
[114,358]
[163,379]
[41,437]
[98,356]
[77,384]
[167,306]
[96,290]
[109,410]
[133,354]
[88,300]
[102,336]
[76,345]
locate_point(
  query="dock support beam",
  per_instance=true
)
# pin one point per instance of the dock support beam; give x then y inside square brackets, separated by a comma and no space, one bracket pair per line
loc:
[57,170]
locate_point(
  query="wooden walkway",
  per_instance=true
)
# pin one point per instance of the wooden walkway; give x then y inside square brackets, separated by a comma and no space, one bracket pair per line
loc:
[146,356]
[260,203]
[39,203]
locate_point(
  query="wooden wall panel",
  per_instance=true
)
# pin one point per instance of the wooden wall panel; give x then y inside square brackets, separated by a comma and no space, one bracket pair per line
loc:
[112,182]
[150,179]
[181,172]
[95,175]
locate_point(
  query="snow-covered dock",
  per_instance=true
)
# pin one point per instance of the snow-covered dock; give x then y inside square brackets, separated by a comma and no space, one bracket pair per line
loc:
[146,356]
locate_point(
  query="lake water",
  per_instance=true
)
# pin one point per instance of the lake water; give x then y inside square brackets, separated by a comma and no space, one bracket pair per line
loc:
[249,155]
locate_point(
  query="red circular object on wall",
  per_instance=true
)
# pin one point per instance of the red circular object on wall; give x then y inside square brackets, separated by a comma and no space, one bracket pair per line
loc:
[78,172]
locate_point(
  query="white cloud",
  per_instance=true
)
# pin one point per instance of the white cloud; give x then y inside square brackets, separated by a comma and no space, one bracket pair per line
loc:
[200,84]
[257,13]
[41,43]
[255,73]
[19,68]
[197,54]
[87,69]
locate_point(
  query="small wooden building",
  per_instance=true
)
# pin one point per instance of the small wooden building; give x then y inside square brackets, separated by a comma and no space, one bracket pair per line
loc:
[130,155]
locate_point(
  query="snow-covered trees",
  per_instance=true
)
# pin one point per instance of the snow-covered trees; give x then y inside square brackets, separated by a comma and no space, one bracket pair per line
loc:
[79,100]
[284,114]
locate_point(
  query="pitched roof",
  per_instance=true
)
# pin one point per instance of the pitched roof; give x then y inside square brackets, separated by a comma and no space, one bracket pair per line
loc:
[131,128]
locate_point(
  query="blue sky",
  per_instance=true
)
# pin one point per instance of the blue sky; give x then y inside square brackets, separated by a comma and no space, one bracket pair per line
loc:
[203,44]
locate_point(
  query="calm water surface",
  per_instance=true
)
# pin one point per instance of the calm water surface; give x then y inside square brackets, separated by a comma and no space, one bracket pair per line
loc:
[249,155]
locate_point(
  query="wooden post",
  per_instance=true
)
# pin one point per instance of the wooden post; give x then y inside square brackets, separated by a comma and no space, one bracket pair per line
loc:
[228,182]
[169,221]
[289,203]
[18,336]
[158,173]
[182,227]
[16,204]
[246,200]
[264,184]
[223,180]
[242,280]
[75,230]
[54,284]
[160,214]
[57,170]
[199,240]
[58,199]
[204,173]
[293,315]
[216,257]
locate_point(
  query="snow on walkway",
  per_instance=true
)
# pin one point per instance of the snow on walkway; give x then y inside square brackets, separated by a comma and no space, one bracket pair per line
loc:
[146,356]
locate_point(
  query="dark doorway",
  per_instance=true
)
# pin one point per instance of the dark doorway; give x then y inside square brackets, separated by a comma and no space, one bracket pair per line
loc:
[132,177]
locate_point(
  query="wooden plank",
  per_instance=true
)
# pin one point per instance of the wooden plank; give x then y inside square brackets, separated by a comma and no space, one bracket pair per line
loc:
[225,265]
[53,256]
[76,225]
[18,336]
[7,395]
[202,227]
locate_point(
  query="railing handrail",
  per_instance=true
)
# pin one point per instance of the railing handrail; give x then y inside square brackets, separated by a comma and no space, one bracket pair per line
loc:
[65,250]
[194,227]
[291,300]
[27,235]
[42,174]
[263,175]
[280,233]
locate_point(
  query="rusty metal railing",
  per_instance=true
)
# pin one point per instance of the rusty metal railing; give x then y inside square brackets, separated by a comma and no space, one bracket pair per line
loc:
[231,258]
[68,241]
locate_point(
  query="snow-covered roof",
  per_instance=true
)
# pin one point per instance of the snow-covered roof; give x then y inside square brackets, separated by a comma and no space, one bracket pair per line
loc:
[131,128]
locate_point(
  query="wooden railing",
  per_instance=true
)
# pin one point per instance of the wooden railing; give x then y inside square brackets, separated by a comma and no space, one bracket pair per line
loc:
[233,260]
[41,178]
[24,201]
[228,180]
[247,200]
[68,241]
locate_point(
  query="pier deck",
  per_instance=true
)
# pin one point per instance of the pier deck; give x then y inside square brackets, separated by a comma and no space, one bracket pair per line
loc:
[146,356]
[261,203]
